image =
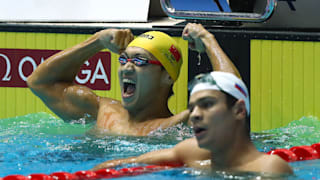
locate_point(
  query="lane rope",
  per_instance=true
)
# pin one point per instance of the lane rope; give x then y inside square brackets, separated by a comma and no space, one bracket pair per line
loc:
[298,153]
[91,175]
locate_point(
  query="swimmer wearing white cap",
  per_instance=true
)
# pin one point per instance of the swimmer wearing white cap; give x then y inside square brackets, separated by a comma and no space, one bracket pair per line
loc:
[219,107]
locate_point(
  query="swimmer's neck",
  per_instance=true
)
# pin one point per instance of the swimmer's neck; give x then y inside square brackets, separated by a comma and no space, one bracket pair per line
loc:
[238,152]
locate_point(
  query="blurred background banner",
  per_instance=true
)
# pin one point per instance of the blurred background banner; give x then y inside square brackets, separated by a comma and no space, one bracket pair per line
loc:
[74,11]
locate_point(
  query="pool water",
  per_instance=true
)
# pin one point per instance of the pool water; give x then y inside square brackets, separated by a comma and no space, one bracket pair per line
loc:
[41,143]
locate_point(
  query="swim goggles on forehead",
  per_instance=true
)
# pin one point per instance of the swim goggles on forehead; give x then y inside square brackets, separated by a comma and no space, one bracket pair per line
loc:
[203,78]
[138,61]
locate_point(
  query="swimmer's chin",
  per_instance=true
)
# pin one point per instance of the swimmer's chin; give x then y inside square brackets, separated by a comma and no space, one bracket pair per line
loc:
[128,106]
[130,103]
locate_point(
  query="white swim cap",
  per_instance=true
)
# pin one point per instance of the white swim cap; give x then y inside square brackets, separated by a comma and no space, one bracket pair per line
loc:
[222,81]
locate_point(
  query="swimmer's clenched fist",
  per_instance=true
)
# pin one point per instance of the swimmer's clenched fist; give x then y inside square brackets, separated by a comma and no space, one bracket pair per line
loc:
[116,40]
[201,40]
[195,34]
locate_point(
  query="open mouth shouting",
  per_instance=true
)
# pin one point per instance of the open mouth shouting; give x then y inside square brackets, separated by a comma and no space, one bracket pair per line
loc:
[198,131]
[129,88]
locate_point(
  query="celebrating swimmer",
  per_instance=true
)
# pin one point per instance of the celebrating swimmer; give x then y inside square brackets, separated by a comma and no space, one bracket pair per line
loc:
[149,65]
[219,111]
[219,108]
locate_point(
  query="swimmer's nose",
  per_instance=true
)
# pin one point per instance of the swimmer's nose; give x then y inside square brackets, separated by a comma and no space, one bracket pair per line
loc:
[128,68]
[195,115]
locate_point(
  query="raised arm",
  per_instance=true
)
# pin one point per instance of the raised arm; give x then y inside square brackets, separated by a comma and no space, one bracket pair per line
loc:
[53,80]
[202,40]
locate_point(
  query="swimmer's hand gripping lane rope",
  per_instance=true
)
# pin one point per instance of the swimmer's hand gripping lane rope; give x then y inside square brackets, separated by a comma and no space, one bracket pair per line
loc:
[296,153]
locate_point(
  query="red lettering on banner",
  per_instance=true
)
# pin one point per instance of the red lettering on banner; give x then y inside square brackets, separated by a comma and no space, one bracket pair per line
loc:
[17,64]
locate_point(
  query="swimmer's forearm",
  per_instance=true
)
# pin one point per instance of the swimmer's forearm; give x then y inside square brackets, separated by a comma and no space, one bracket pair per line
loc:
[219,60]
[64,65]
[114,163]
[165,157]
[118,162]
[160,157]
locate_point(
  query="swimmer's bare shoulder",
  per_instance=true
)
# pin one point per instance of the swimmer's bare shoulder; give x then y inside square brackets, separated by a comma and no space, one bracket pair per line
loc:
[274,164]
[151,125]
[191,155]
[172,120]
[112,117]
[266,163]
[108,102]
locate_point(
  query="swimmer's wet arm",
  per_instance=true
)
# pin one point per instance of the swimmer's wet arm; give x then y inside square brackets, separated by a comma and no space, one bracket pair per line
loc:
[202,40]
[219,60]
[53,80]
[185,153]
[160,157]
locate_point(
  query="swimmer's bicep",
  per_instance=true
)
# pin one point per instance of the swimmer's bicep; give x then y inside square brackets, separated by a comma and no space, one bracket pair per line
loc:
[83,100]
[71,101]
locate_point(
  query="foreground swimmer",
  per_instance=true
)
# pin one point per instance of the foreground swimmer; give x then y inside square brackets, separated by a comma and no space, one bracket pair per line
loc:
[220,108]
[143,72]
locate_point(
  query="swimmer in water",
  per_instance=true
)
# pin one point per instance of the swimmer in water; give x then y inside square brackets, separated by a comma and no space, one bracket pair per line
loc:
[219,111]
[143,72]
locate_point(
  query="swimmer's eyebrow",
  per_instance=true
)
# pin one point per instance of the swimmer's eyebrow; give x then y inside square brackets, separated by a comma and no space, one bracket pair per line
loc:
[199,101]
[192,104]
[144,56]
[124,54]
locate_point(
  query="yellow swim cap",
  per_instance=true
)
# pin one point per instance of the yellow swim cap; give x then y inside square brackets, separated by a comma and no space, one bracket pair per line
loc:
[164,48]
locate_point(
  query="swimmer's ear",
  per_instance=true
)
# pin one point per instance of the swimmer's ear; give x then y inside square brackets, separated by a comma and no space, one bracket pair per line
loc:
[166,78]
[239,109]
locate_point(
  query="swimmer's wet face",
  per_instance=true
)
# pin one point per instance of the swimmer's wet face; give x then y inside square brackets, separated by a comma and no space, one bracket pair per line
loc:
[211,118]
[219,104]
[139,83]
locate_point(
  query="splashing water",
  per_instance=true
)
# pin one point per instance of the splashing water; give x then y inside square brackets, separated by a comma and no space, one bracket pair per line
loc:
[42,143]
[305,131]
